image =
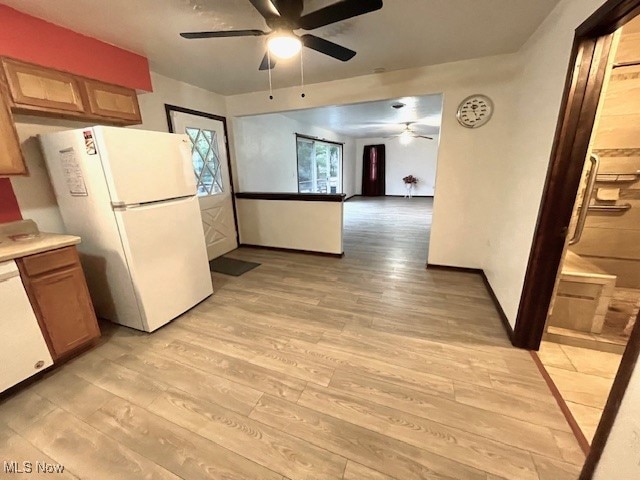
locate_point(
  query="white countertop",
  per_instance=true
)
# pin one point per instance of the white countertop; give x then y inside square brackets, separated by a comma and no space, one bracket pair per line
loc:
[43,242]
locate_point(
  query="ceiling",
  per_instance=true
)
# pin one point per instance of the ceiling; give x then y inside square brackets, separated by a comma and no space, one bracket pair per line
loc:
[404,34]
[377,119]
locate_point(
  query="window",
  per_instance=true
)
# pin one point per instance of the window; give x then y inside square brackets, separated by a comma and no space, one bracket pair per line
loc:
[319,166]
[206,161]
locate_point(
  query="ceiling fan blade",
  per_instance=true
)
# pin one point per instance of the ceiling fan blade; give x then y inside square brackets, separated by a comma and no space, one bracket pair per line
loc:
[422,136]
[266,65]
[328,48]
[342,10]
[266,8]
[223,34]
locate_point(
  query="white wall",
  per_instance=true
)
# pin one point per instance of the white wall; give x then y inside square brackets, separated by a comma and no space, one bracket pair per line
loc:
[173,92]
[309,226]
[464,175]
[519,174]
[621,457]
[266,153]
[34,192]
[419,158]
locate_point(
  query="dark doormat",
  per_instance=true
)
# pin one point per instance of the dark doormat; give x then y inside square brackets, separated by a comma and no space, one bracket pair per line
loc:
[231,266]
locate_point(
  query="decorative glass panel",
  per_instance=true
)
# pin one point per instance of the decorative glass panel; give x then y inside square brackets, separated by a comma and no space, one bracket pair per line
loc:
[206,161]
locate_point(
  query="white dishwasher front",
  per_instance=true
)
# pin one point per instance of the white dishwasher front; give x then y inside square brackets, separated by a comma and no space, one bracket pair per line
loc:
[23,350]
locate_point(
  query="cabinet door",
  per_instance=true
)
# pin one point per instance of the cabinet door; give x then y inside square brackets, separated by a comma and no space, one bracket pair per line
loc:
[64,306]
[34,87]
[11,158]
[113,101]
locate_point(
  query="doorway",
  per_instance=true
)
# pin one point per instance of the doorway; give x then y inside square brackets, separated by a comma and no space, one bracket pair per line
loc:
[581,295]
[211,165]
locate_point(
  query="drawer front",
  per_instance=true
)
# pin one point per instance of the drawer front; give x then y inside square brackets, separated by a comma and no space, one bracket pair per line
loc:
[34,86]
[41,263]
[113,101]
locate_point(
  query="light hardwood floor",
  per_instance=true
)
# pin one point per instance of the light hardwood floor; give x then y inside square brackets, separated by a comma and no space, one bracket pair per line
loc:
[584,378]
[366,367]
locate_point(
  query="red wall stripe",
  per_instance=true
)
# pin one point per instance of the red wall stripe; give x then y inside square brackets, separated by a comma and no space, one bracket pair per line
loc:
[34,40]
[9,210]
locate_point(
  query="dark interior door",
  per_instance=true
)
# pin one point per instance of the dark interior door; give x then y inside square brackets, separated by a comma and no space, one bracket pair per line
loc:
[373,171]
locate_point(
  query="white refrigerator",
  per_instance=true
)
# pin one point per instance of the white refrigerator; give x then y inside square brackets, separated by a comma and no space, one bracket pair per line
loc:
[131,196]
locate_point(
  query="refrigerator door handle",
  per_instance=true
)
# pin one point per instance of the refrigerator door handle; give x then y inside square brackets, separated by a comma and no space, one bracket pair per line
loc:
[120,206]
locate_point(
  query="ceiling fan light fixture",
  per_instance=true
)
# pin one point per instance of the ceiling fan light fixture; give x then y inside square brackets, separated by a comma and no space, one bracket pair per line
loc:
[284,45]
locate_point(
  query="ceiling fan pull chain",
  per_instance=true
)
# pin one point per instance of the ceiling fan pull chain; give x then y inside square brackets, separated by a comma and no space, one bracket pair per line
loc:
[270,84]
[302,74]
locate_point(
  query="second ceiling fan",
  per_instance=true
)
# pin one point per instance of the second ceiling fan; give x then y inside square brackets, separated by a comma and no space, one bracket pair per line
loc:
[285,16]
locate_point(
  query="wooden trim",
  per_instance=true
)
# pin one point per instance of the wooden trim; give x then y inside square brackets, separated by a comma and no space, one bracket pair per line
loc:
[573,424]
[503,316]
[303,197]
[571,145]
[293,250]
[609,18]
[627,365]
[173,108]
[449,268]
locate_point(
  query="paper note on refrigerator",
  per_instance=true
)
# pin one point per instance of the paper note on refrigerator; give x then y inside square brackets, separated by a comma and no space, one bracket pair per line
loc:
[73,173]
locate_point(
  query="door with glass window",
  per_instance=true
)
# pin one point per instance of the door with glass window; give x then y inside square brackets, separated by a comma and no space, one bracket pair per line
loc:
[210,166]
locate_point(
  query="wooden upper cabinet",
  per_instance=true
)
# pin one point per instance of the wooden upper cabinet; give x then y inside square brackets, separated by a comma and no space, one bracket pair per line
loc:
[39,90]
[33,88]
[112,101]
[11,158]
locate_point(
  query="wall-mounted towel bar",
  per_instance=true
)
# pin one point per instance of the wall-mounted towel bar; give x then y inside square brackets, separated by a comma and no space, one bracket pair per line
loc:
[618,177]
[610,208]
[586,199]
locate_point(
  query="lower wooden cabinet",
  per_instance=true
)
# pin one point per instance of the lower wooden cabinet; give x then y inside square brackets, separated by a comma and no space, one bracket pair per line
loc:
[58,292]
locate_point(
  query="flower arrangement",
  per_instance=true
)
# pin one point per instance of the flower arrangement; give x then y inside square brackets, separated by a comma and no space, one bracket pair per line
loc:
[410,180]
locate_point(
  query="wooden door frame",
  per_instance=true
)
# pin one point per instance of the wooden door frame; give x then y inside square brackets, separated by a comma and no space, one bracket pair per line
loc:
[173,108]
[582,92]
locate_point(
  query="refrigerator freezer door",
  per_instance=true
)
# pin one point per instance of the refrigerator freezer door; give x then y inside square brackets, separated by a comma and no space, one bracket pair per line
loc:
[142,167]
[167,258]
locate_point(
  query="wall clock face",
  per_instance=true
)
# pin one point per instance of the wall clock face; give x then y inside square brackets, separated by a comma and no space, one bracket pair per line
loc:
[475,111]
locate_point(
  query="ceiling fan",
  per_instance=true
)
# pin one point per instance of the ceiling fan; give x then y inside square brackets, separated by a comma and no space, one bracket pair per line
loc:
[285,16]
[409,134]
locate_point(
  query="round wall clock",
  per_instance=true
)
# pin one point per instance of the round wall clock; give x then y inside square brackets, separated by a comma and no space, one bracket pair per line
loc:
[475,111]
